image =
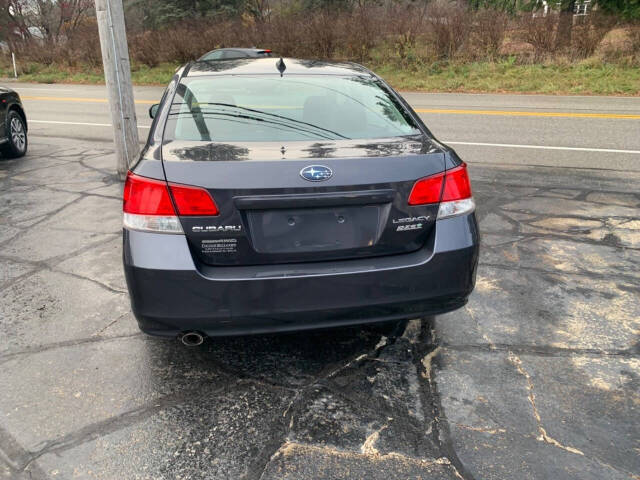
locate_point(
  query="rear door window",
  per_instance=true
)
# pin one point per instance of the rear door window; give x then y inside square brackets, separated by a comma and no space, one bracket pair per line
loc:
[231,54]
[215,55]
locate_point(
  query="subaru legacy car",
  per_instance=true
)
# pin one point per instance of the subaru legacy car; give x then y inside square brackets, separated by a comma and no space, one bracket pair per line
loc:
[284,194]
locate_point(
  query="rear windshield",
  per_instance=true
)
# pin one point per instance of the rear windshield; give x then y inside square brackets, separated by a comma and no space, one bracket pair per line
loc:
[290,108]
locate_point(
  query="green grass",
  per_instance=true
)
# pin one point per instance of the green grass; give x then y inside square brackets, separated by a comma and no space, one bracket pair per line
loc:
[589,77]
[585,78]
[141,75]
[160,75]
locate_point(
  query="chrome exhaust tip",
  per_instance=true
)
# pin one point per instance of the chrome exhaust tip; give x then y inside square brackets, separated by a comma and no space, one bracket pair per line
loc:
[191,339]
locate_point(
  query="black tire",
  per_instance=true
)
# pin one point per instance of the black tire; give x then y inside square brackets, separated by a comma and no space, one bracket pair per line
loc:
[16,134]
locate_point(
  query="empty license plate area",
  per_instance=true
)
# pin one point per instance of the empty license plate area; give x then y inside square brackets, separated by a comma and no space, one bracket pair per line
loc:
[314,229]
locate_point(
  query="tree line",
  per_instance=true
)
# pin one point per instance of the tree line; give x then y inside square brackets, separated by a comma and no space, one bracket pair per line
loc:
[403,33]
[56,20]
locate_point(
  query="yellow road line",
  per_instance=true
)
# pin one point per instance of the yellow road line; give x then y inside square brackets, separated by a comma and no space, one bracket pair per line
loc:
[511,113]
[508,113]
[80,99]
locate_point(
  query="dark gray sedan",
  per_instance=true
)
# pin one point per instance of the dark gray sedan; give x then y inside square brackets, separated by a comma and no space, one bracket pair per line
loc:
[278,195]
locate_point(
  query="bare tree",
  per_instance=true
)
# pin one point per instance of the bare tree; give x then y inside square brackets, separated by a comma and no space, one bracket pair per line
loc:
[259,9]
[14,23]
[57,18]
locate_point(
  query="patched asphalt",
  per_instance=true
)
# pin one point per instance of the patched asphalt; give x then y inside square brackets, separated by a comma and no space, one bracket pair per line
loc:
[537,377]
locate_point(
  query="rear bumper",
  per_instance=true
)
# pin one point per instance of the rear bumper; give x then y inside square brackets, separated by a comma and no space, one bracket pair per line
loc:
[171,294]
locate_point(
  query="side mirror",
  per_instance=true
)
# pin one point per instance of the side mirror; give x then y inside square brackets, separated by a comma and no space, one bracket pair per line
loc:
[153,110]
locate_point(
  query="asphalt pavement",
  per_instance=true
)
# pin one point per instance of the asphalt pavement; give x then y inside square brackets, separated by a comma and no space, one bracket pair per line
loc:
[538,377]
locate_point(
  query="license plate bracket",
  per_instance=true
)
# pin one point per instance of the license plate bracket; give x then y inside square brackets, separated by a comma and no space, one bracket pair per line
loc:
[314,229]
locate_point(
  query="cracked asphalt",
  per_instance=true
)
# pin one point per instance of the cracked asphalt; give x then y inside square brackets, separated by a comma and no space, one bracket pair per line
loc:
[537,378]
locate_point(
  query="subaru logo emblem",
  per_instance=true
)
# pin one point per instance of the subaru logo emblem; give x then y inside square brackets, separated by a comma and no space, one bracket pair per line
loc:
[316,173]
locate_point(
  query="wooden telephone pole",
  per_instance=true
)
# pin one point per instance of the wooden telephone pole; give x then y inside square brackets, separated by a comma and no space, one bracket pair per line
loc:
[117,74]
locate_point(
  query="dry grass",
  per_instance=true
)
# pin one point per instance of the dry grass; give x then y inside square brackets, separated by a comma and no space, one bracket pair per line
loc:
[406,33]
[439,46]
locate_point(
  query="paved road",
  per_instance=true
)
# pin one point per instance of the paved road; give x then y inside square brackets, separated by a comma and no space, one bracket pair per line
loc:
[536,378]
[587,132]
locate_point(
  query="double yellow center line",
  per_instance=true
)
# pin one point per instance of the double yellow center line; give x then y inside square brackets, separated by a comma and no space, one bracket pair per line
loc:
[445,111]
[79,99]
[512,113]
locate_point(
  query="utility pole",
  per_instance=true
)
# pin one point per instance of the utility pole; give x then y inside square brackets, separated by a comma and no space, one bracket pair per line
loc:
[117,74]
[565,24]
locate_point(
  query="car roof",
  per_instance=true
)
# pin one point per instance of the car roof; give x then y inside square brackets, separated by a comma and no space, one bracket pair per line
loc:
[261,66]
[242,49]
[238,49]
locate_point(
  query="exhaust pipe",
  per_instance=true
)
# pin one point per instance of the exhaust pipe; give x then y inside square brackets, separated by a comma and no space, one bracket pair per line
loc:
[191,339]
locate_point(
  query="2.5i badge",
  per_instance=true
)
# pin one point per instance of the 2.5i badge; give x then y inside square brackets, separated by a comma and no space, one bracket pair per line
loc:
[413,226]
[410,223]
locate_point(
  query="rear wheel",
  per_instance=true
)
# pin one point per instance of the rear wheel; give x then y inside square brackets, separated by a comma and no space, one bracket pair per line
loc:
[16,134]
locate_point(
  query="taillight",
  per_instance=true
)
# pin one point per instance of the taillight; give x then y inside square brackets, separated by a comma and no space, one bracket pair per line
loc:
[456,184]
[454,196]
[427,190]
[147,204]
[145,196]
[193,200]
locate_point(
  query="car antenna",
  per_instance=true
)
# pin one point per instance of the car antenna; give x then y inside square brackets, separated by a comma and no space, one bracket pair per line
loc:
[281,66]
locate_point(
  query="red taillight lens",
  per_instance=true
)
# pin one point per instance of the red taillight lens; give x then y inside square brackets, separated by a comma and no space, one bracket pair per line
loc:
[426,190]
[429,190]
[192,201]
[145,196]
[456,184]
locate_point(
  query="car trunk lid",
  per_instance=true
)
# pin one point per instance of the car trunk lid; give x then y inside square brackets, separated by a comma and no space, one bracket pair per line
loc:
[269,212]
